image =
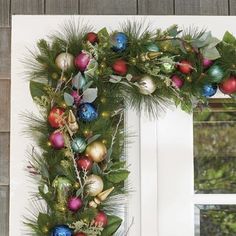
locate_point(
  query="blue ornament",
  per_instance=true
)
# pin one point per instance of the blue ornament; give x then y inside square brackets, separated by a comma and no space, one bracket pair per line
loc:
[62,230]
[216,73]
[209,90]
[119,42]
[152,47]
[87,112]
[78,145]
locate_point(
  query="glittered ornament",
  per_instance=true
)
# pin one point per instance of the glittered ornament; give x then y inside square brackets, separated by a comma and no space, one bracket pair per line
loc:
[100,198]
[82,61]
[78,145]
[92,37]
[206,63]
[74,204]
[57,140]
[228,86]
[177,82]
[185,67]
[216,73]
[55,117]
[120,67]
[62,187]
[84,163]
[72,123]
[96,151]
[87,112]
[152,47]
[119,42]
[167,68]
[101,219]
[147,85]
[209,90]
[65,61]
[61,230]
[94,185]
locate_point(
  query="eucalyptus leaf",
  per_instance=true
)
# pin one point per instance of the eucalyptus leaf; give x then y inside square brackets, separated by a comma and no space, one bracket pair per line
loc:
[93,138]
[210,53]
[203,40]
[79,192]
[69,100]
[96,169]
[90,95]
[75,80]
[88,85]
[114,223]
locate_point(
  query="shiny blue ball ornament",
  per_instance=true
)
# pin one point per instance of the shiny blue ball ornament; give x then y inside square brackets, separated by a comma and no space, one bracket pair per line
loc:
[119,42]
[87,112]
[216,73]
[62,230]
[78,145]
[209,90]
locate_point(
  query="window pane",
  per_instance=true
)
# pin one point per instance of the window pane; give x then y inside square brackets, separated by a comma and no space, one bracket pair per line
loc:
[215,147]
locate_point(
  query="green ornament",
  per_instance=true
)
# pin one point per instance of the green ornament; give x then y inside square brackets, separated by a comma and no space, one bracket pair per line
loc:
[216,73]
[152,47]
[62,186]
[167,68]
[78,145]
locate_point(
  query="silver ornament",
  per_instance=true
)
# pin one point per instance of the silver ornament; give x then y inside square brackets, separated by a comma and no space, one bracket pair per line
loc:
[65,61]
[147,85]
[94,185]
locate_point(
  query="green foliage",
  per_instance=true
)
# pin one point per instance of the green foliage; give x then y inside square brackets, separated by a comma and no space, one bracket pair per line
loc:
[114,223]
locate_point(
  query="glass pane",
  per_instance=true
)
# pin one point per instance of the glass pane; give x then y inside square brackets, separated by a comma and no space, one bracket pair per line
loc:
[215,220]
[215,147]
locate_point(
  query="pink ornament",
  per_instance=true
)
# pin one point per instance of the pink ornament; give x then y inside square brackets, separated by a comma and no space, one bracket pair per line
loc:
[76,97]
[82,61]
[57,140]
[206,63]
[177,81]
[75,203]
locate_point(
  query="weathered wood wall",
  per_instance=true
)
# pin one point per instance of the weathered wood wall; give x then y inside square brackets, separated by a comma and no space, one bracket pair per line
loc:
[9,7]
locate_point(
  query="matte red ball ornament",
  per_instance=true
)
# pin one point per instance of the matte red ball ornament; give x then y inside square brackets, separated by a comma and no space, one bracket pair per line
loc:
[74,204]
[101,219]
[84,163]
[177,81]
[57,140]
[120,67]
[80,234]
[228,86]
[82,61]
[92,37]
[185,67]
[55,117]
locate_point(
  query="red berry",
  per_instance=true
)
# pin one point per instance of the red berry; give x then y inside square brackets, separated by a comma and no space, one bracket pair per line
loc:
[84,163]
[228,86]
[55,117]
[92,37]
[101,219]
[80,234]
[120,67]
[185,67]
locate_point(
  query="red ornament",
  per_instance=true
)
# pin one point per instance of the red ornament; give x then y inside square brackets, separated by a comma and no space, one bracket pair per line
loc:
[84,163]
[177,81]
[101,219]
[80,234]
[228,86]
[92,37]
[55,117]
[82,61]
[185,67]
[120,67]
[57,140]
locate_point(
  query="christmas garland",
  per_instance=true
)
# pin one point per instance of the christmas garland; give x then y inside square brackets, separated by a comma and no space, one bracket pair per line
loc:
[82,81]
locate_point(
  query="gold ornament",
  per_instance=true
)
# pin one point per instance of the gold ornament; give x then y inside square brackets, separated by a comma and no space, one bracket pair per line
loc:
[104,141]
[76,185]
[96,151]
[103,65]
[49,144]
[105,114]
[88,133]
[72,123]
[189,78]
[133,61]
[148,56]
[94,185]
[101,197]
[65,61]
[147,85]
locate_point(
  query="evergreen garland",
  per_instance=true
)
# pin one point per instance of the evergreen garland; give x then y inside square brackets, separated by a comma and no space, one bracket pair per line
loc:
[131,67]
